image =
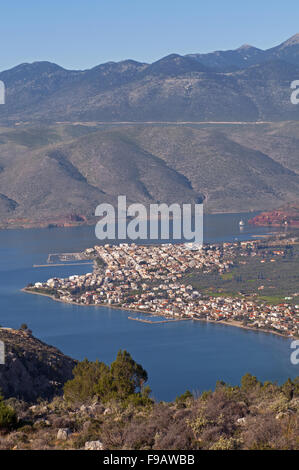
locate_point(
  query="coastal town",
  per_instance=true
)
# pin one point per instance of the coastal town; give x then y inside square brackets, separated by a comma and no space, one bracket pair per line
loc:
[153,279]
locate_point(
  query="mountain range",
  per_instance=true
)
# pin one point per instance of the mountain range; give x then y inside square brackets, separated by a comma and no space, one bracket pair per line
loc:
[218,128]
[247,84]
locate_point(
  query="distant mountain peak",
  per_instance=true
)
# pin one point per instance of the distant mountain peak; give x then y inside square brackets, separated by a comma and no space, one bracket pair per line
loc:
[170,57]
[293,41]
[245,46]
[43,64]
[175,64]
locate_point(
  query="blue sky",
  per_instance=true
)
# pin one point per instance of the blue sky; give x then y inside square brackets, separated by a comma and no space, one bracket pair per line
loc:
[79,34]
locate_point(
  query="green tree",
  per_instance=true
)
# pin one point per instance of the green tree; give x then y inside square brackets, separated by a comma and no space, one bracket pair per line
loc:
[124,378]
[86,375]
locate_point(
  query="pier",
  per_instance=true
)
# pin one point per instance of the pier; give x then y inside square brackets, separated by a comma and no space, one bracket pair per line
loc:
[64,257]
[61,264]
[152,322]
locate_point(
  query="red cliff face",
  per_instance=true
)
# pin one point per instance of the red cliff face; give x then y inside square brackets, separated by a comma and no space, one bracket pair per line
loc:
[278,218]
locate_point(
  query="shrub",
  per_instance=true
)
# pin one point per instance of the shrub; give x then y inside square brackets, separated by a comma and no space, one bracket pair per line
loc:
[8,417]
[225,443]
[249,382]
[290,388]
[184,397]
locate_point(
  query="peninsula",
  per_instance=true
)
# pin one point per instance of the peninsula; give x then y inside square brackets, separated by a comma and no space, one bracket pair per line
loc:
[250,284]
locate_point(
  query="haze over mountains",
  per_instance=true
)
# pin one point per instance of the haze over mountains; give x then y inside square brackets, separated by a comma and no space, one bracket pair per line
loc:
[64,148]
[247,84]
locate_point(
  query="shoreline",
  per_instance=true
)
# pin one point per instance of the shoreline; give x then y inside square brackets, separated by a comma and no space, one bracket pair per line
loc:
[234,323]
[4,225]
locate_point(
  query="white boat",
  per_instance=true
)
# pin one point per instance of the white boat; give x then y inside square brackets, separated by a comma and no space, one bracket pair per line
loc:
[241,223]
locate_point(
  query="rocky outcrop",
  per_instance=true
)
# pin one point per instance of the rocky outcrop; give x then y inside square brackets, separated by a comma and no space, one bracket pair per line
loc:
[287,216]
[63,434]
[94,445]
[32,369]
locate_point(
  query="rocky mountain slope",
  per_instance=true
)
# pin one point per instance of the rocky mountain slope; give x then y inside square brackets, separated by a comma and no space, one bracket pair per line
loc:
[73,139]
[32,369]
[60,173]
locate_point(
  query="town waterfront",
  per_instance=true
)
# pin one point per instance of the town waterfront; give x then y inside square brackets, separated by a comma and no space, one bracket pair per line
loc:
[177,355]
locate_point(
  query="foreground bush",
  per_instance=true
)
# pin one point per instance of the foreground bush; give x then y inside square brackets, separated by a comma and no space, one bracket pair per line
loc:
[110,404]
[8,417]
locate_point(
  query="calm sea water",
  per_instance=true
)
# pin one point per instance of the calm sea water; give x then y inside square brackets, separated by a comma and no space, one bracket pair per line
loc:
[177,356]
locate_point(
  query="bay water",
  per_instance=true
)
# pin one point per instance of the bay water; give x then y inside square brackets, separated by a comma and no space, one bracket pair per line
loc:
[177,356]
